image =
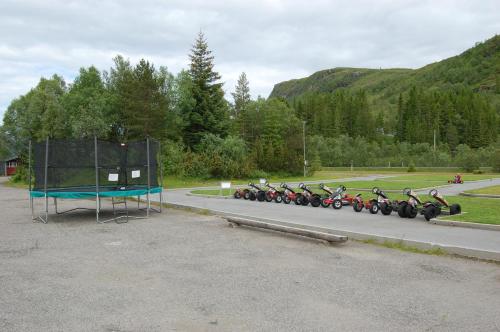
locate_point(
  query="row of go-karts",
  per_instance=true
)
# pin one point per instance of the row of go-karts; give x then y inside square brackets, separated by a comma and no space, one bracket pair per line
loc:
[337,198]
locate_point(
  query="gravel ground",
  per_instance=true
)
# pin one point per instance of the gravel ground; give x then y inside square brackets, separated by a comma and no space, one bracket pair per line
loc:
[186,272]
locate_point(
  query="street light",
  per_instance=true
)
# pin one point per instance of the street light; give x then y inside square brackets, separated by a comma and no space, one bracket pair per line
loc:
[304,140]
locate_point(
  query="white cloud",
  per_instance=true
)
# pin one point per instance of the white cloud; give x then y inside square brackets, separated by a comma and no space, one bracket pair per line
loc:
[270,40]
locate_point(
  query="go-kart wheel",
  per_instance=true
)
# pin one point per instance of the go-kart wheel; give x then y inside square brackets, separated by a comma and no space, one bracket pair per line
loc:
[411,211]
[429,212]
[402,209]
[269,197]
[237,194]
[385,208]
[298,199]
[357,206]
[286,199]
[261,196]
[455,209]
[246,194]
[315,201]
[374,208]
[278,198]
[337,204]
[252,196]
[305,201]
[325,202]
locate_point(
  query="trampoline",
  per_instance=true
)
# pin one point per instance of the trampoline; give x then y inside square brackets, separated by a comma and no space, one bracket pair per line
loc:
[95,169]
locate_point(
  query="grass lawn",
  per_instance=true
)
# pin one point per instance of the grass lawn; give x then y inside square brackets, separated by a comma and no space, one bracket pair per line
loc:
[444,177]
[493,190]
[478,209]
[214,192]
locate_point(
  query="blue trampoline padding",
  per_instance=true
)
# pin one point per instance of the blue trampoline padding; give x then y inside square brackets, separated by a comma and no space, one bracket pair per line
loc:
[103,192]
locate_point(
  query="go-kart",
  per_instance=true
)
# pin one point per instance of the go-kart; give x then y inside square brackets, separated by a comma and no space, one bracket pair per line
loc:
[256,193]
[373,205]
[242,193]
[289,195]
[273,194]
[336,198]
[457,179]
[308,196]
[413,206]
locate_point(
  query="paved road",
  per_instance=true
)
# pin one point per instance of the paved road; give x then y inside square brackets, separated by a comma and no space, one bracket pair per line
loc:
[456,189]
[358,225]
[187,272]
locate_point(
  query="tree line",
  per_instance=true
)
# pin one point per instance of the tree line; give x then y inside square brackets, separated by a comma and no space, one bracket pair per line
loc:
[204,135]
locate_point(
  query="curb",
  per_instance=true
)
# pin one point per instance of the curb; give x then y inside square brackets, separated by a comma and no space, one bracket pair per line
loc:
[465,224]
[452,250]
[478,195]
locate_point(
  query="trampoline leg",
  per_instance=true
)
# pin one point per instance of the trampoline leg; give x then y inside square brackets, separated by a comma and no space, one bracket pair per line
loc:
[55,204]
[46,209]
[32,208]
[161,199]
[138,201]
[149,205]
[97,205]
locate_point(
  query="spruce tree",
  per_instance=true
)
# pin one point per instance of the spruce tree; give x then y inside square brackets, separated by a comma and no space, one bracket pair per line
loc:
[241,94]
[210,112]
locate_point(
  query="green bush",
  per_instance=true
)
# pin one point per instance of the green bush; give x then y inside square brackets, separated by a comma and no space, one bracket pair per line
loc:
[411,168]
[496,161]
[467,158]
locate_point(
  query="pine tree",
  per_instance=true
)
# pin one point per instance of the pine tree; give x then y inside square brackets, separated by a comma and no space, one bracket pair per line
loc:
[241,94]
[209,114]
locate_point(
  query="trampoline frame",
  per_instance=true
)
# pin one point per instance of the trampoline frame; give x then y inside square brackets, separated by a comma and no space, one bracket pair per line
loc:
[147,209]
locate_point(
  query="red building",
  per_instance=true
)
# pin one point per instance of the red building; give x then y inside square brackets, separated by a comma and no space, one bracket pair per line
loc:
[10,166]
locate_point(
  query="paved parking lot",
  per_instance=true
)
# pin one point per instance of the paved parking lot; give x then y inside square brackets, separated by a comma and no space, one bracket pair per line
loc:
[186,272]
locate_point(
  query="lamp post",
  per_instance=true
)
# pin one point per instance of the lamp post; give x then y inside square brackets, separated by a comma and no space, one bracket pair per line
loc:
[304,141]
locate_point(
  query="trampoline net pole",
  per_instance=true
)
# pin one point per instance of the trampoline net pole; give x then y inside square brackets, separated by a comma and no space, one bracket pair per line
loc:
[161,174]
[149,177]
[97,199]
[29,172]
[45,179]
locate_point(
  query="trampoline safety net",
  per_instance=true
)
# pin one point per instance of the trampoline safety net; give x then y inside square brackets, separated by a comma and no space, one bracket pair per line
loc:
[72,164]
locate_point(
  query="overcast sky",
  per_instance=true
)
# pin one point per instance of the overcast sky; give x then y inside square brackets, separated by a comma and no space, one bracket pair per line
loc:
[271,41]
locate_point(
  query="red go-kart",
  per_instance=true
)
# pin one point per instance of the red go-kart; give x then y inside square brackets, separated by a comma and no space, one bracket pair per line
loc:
[273,194]
[289,195]
[457,179]
[336,198]
[373,205]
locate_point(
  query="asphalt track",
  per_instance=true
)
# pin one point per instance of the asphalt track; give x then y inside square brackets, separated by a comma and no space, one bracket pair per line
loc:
[478,243]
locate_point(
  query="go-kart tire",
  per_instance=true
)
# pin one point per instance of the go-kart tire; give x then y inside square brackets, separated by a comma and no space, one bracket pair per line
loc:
[278,198]
[324,202]
[305,201]
[315,201]
[337,204]
[286,199]
[374,208]
[357,206]
[261,196]
[411,211]
[402,209]
[385,208]
[429,212]
[237,195]
[455,209]
[268,197]
[252,196]
[298,199]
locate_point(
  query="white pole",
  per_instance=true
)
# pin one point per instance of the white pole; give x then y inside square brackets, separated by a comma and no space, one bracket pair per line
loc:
[304,140]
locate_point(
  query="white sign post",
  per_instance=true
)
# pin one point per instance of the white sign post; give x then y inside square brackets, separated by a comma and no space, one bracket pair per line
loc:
[263,181]
[224,185]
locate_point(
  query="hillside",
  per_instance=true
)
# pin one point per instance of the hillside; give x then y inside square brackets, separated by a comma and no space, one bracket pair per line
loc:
[478,68]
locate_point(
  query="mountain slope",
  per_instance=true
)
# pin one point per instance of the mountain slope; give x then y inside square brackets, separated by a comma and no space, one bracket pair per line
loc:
[477,68]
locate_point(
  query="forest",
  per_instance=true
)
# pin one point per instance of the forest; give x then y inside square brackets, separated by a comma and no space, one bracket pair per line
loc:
[204,135]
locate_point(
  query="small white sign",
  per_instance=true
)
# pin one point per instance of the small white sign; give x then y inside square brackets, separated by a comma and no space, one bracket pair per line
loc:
[225,185]
[113,177]
[263,181]
[136,174]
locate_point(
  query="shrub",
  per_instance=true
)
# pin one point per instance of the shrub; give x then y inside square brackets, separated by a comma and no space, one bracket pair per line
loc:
[411,167]
[496,161]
